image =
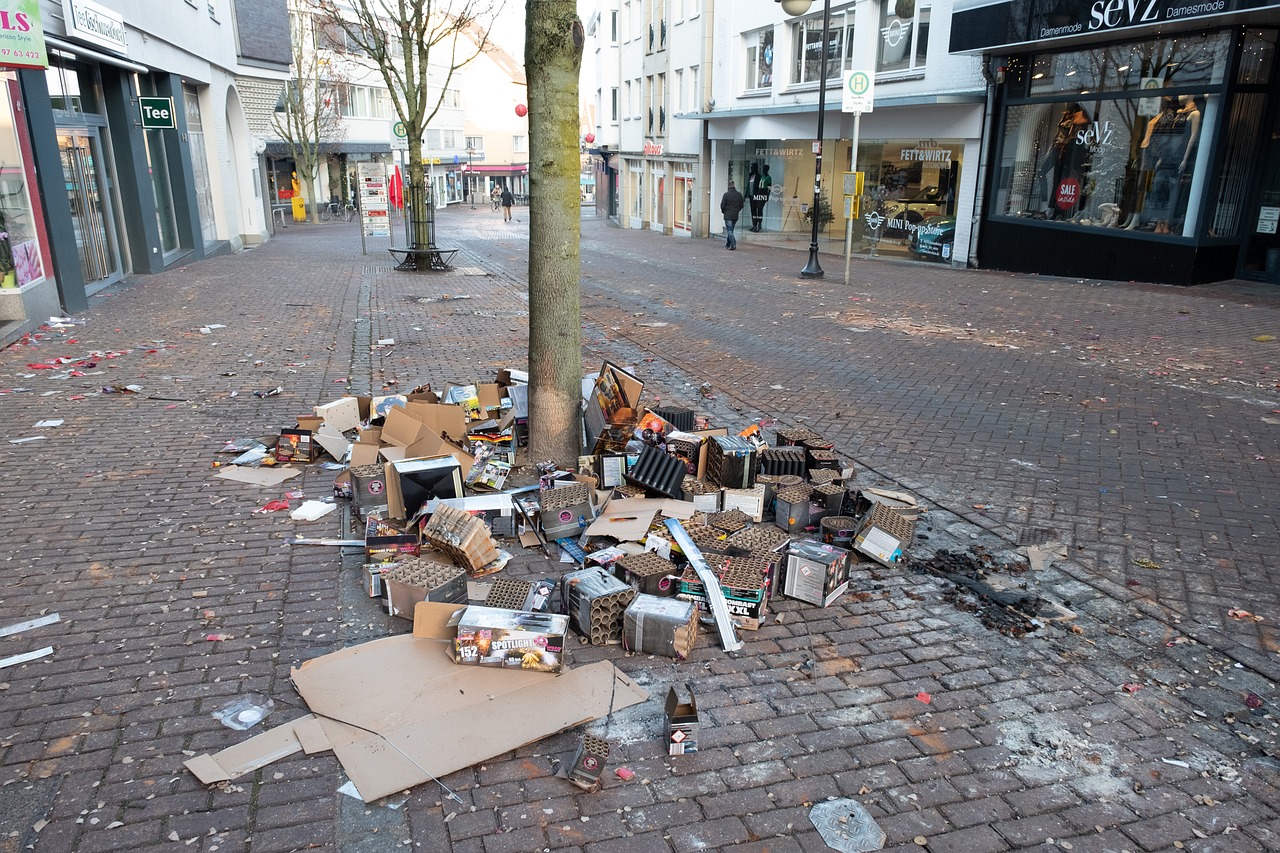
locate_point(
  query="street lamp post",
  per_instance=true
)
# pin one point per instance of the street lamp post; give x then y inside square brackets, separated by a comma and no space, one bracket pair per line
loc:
[471,190]
[813,269]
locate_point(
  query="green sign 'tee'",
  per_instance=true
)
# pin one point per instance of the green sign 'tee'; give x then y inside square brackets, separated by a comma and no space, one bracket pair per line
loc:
[157,113]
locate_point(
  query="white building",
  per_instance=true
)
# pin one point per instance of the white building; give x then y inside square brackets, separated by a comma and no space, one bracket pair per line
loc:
[134,146]
[662,53]
[711,92]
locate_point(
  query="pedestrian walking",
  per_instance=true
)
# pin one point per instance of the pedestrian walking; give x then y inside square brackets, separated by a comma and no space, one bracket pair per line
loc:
[731,205]
[507,200]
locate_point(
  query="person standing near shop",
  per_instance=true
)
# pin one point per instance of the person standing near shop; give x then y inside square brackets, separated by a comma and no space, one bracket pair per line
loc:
[731,206]
[507,200]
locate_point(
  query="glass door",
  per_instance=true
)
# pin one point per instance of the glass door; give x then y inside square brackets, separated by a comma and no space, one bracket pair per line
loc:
[89,193]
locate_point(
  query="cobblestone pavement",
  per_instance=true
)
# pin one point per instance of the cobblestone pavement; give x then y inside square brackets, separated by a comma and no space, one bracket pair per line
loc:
[1133,423]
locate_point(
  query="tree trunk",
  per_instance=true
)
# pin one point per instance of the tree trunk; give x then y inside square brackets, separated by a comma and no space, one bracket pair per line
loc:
[419,222]
[553,57]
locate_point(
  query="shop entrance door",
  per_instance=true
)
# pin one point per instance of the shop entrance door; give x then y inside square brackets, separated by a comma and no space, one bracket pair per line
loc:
[84,172]
[1261,259]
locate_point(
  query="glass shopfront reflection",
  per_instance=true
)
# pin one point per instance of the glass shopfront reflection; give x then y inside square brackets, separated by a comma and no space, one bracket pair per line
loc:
[908,209]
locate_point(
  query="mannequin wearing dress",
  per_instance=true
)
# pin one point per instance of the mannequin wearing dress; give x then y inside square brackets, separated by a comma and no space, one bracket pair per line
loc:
[1168,148]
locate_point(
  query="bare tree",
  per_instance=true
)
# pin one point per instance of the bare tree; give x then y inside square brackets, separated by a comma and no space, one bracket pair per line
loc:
[417,45]
[553,58]
[308,113]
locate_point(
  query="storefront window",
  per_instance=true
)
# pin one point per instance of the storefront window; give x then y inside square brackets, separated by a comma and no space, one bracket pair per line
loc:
[808,48]
[1239,159]
[1193,60]
[1256,58]
[73,86]
[21,260]
[904,35]
[1117,163]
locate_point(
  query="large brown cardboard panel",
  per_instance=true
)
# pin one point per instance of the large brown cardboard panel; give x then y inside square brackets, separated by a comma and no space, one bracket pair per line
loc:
[402,429]
[406,693]
[441,419]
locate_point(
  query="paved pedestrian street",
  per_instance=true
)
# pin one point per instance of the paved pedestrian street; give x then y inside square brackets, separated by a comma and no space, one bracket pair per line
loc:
[1130,425]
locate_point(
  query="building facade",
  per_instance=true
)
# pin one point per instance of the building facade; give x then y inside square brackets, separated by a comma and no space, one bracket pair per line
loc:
[136,149]
[601,93]
[711,92]
[1130,141]
[661,168]
[917,149]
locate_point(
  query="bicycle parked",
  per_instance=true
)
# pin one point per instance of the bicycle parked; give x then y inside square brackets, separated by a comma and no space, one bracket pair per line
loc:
[337,210]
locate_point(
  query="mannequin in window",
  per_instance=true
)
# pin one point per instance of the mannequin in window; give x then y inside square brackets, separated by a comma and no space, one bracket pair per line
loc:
[1065,158]
[759,187]
[1168,149]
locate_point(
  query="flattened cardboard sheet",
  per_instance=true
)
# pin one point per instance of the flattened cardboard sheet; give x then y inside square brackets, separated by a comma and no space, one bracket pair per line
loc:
[399,712]
[625,519]
[247,756]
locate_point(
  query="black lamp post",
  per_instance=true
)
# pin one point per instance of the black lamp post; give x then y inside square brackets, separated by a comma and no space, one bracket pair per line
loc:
[813,269]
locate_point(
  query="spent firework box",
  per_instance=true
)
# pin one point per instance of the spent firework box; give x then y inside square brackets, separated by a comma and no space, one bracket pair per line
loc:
[511,639]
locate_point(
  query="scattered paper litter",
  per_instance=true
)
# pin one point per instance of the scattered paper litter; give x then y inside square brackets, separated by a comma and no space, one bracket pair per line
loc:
[52,422]
[27,439]
[312,510]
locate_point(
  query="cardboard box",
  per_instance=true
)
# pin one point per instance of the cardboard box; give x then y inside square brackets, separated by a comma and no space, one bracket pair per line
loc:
[884,535]
[296,445]
[511,639]
[815,572]
[411,483]
[749,501]
[368,488]
[649,573]
[384,542]
[343,414]
[566,508]
[682,724]
[423,579]
[660,626]
[613,408]
[747,602]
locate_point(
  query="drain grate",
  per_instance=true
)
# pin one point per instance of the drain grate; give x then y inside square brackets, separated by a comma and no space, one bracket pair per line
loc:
[374,269]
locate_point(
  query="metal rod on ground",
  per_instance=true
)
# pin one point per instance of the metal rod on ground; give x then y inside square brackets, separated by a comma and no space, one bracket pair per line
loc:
[715,595]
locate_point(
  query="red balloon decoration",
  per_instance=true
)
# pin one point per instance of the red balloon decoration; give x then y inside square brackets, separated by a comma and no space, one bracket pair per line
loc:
[590,137]
[522,110]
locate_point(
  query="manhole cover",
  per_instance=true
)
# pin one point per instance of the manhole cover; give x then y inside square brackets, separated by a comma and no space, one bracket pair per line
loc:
[847,826]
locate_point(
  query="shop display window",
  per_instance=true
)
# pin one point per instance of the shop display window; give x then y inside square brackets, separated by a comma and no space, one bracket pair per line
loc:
[1115,137]
[1106,163]
[22,247]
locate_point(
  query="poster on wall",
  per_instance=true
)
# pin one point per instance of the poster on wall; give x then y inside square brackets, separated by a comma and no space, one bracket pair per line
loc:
[374,199]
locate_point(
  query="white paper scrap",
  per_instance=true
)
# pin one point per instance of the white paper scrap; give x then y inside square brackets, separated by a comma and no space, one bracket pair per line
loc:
[312,510]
